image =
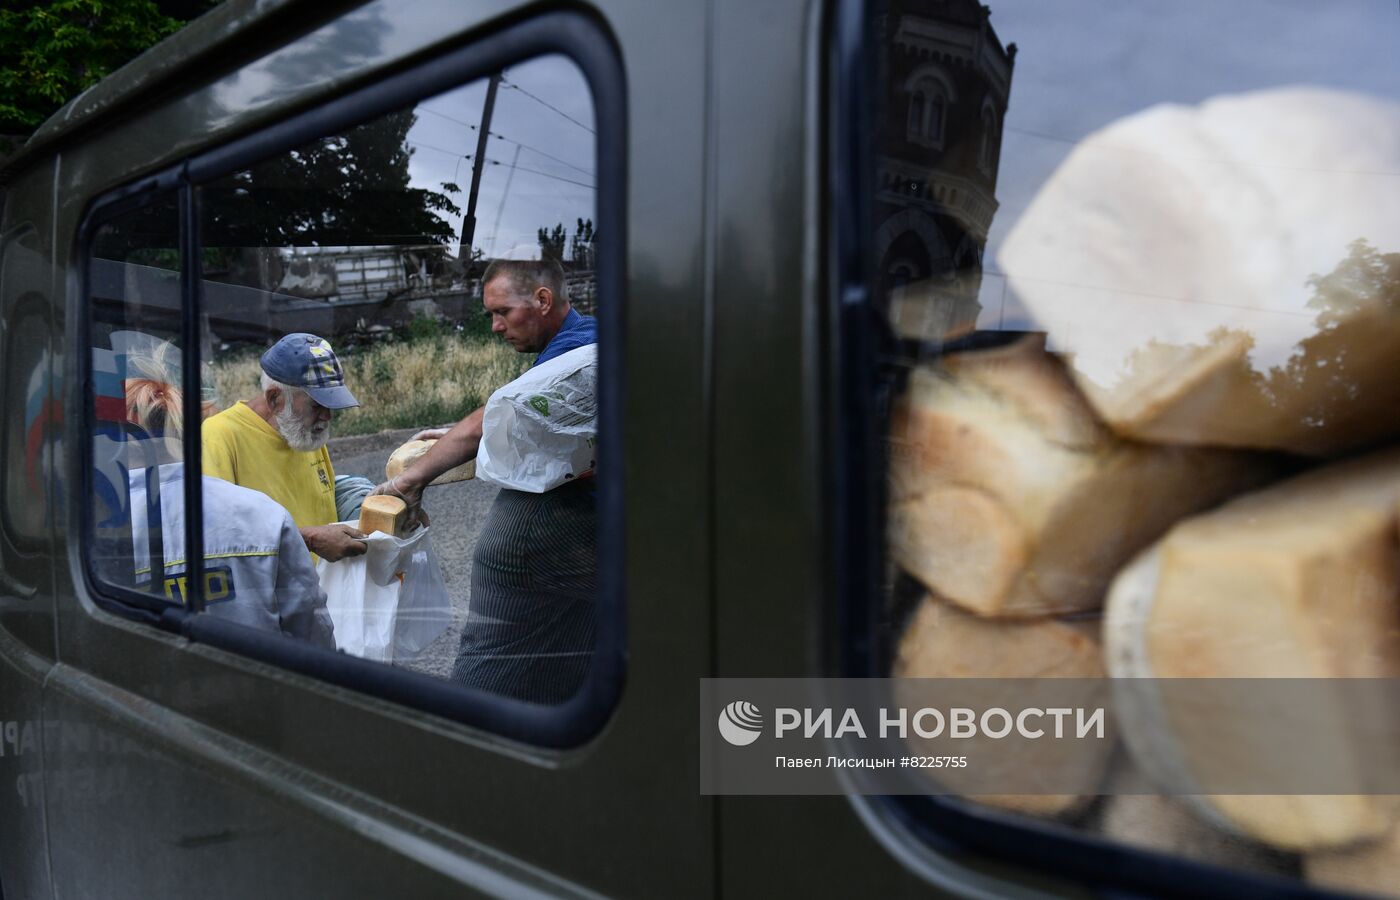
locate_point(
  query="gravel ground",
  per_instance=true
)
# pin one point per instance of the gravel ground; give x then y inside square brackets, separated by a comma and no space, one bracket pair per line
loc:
[457,512]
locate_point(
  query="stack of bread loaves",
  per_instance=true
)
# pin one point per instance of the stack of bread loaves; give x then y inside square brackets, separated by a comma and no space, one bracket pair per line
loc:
[1198,456]
[1014,506]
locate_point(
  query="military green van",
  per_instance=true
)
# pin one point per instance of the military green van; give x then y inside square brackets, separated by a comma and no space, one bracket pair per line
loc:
[1050,338]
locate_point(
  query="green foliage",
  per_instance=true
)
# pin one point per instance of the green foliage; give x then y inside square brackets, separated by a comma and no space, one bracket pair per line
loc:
[400,384]
[156,257]
[379,370]
[477,324]
[424,328]
[1366,276]
[581,250]
[51,51]
[349,189]
[552,243]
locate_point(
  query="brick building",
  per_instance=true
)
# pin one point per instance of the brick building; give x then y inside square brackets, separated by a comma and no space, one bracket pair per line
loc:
[948,83]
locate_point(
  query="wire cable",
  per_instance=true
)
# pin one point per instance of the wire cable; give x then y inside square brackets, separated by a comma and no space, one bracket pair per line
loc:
[511,140]
[546,104]
[1224,162]
[497,162]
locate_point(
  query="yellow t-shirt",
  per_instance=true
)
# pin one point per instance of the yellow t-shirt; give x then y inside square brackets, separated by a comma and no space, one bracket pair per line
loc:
[239,446]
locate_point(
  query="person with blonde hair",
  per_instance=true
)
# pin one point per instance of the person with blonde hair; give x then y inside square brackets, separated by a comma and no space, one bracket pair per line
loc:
[257,569]
[152,402]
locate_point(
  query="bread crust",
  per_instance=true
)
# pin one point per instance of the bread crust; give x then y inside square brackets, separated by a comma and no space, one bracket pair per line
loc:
[1010,498]
[411,452]
[1295,581]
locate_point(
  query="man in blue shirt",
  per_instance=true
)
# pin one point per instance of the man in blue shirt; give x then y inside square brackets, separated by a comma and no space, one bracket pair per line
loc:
[530,631]
[529,308]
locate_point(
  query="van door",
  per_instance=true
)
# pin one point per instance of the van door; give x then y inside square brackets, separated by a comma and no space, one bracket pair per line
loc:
[31,423]
[194,754]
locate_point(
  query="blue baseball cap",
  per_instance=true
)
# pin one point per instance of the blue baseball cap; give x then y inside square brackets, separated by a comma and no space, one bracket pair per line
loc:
[308,362]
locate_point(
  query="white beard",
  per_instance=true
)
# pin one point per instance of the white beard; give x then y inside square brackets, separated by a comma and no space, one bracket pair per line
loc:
[299,435]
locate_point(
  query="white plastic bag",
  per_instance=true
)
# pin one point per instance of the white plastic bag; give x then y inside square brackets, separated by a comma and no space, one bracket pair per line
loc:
[390,603]
[541,430]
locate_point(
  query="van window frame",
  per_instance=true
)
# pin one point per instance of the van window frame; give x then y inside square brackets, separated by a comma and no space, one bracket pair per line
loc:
[925,831]
[124,601]
[592,49]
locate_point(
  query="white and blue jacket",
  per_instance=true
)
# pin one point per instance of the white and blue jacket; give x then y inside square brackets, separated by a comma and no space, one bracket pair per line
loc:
[257,570]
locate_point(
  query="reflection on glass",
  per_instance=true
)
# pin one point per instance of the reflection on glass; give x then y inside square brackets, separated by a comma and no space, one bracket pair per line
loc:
[37,419]
[1190,263]
[372,248]
[1147,297]
[134,301]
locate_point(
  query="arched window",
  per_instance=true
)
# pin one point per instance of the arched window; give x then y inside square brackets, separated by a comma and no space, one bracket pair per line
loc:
[930,94]
[989,146]
[917,102]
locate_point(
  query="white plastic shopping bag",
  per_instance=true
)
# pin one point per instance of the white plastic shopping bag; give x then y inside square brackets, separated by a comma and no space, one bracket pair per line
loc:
[541,430]
[390,603]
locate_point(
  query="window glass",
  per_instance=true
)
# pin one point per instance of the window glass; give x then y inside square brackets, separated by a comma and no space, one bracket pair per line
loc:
[137,500]
[384,281]
[1145,302]
[30,413]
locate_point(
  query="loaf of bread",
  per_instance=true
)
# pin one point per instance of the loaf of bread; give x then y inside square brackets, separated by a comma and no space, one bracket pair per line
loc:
[1010,498]
[1372,867]
[410,452]
[382,512]
[1201,297]
[942,641]
[1133,814]
[1298,581]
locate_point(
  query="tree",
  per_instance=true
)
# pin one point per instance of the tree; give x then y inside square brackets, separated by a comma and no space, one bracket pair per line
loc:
[350,188]
[582,249]
[552,243]
[1331,370]
[51,51]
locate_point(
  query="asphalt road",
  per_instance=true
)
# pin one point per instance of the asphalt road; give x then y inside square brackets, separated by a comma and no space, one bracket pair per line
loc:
[457,512]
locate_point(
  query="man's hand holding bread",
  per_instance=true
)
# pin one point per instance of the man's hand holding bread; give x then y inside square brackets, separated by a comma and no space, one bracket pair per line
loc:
[334,541]
[434,456]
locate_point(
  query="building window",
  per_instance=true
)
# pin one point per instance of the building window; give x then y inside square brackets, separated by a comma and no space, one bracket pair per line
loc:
[989,140]
[930,94]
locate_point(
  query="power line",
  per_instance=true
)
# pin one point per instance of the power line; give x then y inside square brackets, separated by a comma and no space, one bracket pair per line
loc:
[499,136]
[442,115]
[438,149]
[562,162]
[497,162]
[1103,289]
[547,105]
[1096,146]
[496,226]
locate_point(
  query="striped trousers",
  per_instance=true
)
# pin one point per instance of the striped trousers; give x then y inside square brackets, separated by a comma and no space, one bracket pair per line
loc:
[530,623]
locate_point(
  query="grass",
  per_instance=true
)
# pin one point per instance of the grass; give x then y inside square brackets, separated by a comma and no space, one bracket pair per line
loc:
[429,380]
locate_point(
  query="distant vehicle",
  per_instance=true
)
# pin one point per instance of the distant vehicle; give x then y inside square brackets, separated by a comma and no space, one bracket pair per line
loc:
[790,218]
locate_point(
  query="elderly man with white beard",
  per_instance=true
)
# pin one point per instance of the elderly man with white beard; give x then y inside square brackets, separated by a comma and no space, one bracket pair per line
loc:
[276,442]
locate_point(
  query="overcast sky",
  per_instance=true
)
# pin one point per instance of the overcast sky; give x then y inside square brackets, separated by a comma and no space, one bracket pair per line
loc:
[539,168]
[1083,64]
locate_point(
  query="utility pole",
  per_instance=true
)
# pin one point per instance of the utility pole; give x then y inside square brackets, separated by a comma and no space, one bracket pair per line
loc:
[464,247]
